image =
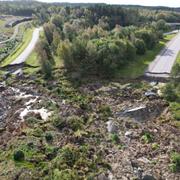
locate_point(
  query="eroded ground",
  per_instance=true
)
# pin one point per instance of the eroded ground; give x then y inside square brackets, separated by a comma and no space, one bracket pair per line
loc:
[95,131]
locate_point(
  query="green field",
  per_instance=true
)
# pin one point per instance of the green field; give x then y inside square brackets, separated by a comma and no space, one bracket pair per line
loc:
[138,67]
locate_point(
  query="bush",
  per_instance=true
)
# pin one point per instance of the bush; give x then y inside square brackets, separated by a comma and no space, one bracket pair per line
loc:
[65,175]
[175,108]
[147,138]
[67,157]
[115,138]
[169,92]
[58,121]
[74,122]
[175,162]
[105,111]
[49,137]
[140,47]
[19,155]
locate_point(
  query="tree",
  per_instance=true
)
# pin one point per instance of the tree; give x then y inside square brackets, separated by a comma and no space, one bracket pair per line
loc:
[48,30]
[140,46]
[45,58]
[56,41]
[58,21]
[130,51]
[68,31]
[65,52]
[162,26]
[150,38]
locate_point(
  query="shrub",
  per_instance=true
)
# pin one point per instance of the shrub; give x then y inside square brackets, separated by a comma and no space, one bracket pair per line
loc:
[67,157]
[49,137]
[38,132]
[175,162]
[31,121]
[58,121]
[74,122]
[175,108]
[65,174]
[115,138]
[169,92]
[105,111]
[19,155]
[147,138]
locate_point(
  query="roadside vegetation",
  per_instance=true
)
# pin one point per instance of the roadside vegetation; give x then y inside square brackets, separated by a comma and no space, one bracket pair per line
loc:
[172,91]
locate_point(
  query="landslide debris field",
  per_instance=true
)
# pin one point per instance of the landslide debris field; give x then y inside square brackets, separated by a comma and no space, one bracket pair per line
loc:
[98,130]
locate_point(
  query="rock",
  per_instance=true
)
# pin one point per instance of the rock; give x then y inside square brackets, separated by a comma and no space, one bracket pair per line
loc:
[150,94]
[18,73]
[153,83]
[144,160]
[102,177]
[148,177]
[112,127]
[128,134]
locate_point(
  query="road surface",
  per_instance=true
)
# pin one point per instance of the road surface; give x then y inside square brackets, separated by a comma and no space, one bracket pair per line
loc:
[24,55]
[162,65]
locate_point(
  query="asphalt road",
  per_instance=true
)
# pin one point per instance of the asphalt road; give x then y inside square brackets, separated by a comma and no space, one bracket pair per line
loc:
[24,55]
[162,65]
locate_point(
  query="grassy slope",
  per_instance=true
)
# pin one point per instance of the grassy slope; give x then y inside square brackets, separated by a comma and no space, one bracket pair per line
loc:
[20,48]
[138,67]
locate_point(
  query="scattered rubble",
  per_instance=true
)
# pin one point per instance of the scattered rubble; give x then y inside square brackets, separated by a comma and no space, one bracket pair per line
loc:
[119,109]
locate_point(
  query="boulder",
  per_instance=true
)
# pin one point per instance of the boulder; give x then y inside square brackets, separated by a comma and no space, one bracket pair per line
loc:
[112,127]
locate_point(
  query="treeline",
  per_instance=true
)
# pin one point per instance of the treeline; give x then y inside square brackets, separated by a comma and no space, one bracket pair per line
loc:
[115,14]
[21,8]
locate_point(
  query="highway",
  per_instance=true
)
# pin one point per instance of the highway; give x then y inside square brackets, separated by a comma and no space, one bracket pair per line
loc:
[162,65]
[24,55]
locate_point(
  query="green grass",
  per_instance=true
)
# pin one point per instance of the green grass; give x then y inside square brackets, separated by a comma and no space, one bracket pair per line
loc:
[34,61]
[20,48]
[138,66]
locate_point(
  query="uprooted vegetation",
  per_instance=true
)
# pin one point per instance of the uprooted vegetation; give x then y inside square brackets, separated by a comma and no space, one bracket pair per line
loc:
[61,130]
